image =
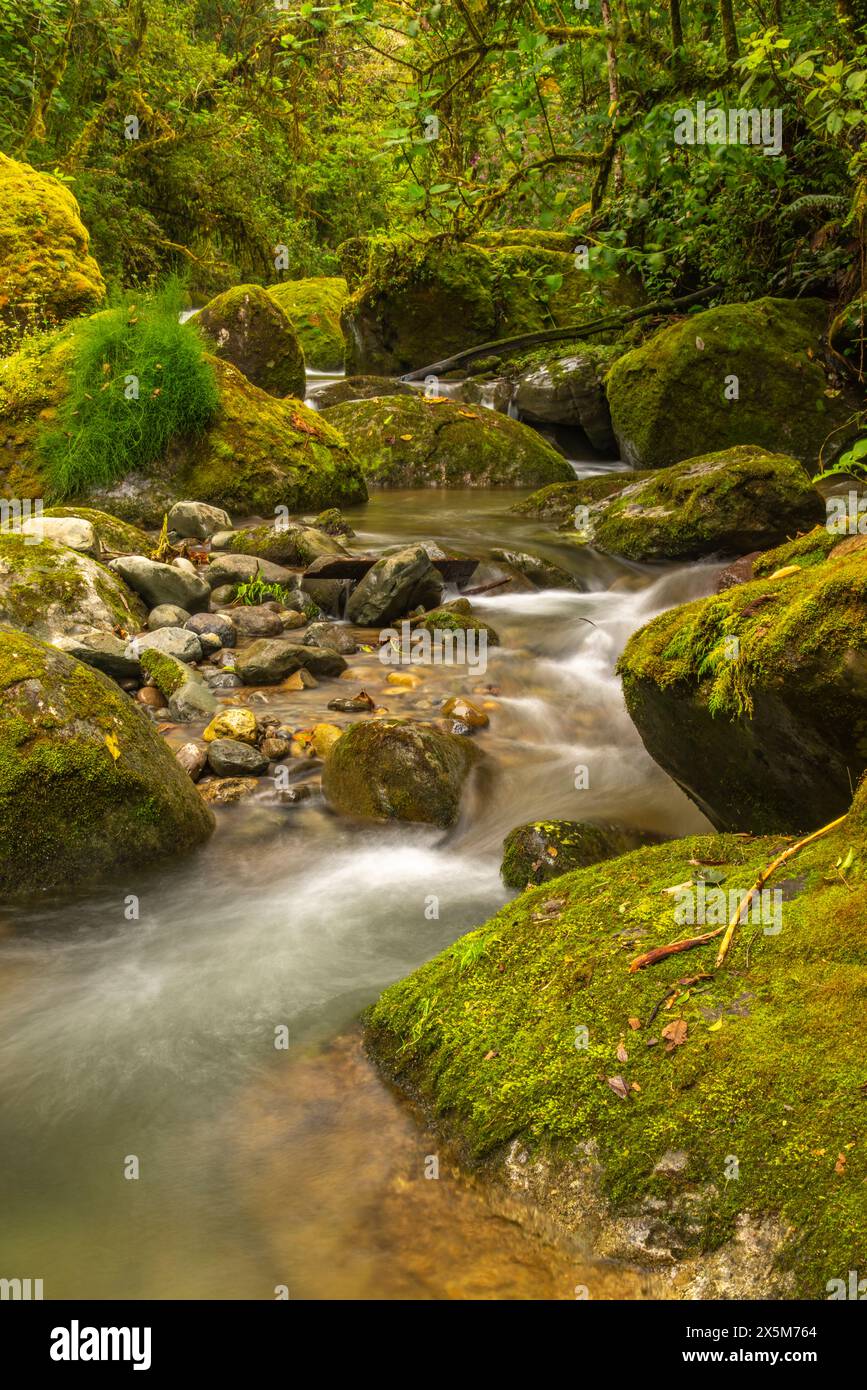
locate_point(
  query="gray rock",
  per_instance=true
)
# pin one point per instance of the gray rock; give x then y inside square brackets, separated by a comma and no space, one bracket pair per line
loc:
[269,662]
[230,758]
[569,392]
[220,624]
[167,615]
[393,587]
[192,759]
[222,596]
[542,574]
[256,621]
[332,636]
[198,519]
[222,680]
[103,651]
[191,701]
[158,583]
[238,569]
[172,641]
[221,540]
[70,531]
[210,643]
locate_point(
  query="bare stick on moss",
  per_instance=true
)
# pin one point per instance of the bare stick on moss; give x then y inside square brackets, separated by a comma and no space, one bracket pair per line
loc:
[690,942]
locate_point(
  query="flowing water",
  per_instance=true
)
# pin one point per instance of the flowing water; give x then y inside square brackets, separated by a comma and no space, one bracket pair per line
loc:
[149,1044]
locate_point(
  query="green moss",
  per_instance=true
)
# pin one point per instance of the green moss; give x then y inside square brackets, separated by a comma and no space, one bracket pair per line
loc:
[754,699]
[405,441]
[166,672]
[544,850]
[388,770]
[730,502]
[314,307]
[485,1034]
[248,327]
[44,586]
[86,785]
[668,397]
[456,620]
[47,273]
[810,549]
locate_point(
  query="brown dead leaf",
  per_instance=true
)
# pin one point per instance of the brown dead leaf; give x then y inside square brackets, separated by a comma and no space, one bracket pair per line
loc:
[675,1033]
[840,1165]
[618,1086]
[622,1054]
[634,1023]
[489,1056]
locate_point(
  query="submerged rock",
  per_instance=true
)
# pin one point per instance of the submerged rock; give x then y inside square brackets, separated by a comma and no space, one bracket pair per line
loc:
[229,757]
[755,700]
[407,442]
[250,329]
[542,574]
[388,770]
[86,786]
[543,1058]
[540,850]
[672,398]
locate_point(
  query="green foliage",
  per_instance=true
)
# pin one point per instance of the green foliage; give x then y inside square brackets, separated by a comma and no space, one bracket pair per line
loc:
[255,591]
[138,378]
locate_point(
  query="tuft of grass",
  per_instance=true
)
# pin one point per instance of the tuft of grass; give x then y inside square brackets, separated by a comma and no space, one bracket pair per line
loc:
[138,379]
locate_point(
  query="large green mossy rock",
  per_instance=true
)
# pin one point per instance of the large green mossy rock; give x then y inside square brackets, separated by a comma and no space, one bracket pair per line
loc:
[418,302]
[668,397]
[50,591]
[47,273]
[755,700]
[541,1054]
[728,503]
[388,770]
[314,307]
[259,453]
[284,544]
[413,441]
[86,784]
[248,328]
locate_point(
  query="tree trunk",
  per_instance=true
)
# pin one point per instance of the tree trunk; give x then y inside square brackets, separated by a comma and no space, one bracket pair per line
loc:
[676,26]
[613,93]
[730,35]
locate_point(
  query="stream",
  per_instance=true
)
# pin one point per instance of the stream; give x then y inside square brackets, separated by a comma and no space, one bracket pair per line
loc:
[149,1043]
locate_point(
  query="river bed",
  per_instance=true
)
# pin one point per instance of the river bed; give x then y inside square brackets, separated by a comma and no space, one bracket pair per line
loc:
[148,1041]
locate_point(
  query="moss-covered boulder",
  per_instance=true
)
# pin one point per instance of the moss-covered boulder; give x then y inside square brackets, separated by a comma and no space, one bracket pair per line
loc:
[86,784]
[313,307]
[755,700]
[284,543]
[729,503]
[252,331]
[419,302]
[404,441]
[260,452]
[737,374]
[389,770]
[51,591]
[557,501]
[615,1101]
[115,537]
[47,273]
[545,849]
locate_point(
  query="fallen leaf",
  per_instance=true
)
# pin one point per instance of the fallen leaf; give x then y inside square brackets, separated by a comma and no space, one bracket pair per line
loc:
[715,1027]
[622,1054]
[489,1056]
[113,746]
[618,1086]
[675,1033]
[406,436]
[635,1086]
[840,1165]
[634,1023]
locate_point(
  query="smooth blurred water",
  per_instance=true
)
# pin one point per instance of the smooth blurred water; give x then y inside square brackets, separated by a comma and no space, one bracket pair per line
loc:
[155,1038]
